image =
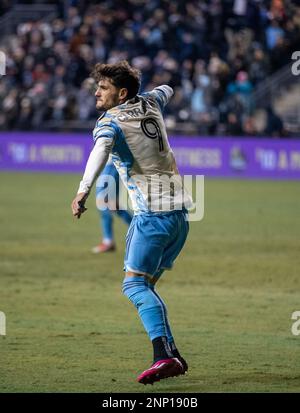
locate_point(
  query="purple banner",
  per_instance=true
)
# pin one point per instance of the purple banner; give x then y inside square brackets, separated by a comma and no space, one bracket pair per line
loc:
[219,157]
[44,151]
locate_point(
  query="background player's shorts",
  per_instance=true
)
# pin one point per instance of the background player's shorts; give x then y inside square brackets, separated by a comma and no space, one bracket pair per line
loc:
[153,242]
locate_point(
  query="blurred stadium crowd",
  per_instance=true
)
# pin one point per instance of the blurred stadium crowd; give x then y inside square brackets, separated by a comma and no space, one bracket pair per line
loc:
[213,53]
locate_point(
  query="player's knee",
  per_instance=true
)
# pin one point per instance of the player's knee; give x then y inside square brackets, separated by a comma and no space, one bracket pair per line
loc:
[137,290]
[133,287]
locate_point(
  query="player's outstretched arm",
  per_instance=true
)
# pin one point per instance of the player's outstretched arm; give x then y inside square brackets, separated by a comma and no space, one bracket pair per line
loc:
[162,95]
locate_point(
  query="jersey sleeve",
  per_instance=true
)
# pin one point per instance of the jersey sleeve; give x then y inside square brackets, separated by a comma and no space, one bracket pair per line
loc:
[104,129]
[162,95]
[104,136]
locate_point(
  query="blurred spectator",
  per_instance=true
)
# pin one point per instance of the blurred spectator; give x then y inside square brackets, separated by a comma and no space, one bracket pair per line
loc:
[274,125]
[273,33]
[4,6]
[200,100]
[242,89]
[234,127]
[280,54]
[86,100]
[248,126]
[24,121]
[258,66]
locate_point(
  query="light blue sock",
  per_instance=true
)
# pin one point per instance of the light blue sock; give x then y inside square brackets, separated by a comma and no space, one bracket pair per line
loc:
[149,307]
[165,311]
[107,224]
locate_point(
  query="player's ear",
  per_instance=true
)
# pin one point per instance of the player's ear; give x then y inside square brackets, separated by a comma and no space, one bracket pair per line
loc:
[123,92]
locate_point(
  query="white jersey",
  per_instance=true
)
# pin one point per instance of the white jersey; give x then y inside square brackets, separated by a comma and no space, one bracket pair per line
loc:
[135,135]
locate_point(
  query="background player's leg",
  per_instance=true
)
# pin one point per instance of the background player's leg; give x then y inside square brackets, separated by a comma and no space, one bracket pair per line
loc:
[107,226]
[106,190]
[124,215]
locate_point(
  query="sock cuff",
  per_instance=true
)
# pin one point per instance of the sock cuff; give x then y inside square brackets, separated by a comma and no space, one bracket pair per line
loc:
[131,282]
[134,279]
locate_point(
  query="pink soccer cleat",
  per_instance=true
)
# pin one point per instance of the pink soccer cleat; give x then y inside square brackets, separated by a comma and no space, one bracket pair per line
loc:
[162,369]
[185,366]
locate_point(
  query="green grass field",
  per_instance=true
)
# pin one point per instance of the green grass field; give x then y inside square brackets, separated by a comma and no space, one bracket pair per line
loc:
[230,295]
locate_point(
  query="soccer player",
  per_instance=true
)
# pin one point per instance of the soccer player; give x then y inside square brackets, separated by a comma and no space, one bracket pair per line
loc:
[107,201]
[133,131]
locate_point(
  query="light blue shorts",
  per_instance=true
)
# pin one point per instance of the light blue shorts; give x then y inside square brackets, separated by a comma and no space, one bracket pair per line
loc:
[153,242]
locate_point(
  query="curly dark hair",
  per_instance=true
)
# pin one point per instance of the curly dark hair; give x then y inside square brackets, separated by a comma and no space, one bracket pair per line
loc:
[121,74]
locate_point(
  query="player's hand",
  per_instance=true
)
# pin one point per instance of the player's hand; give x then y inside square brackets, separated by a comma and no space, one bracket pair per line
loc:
[77,205]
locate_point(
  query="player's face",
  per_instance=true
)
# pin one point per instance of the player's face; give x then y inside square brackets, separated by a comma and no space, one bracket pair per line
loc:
[108,95]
